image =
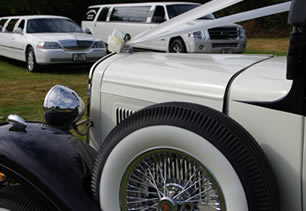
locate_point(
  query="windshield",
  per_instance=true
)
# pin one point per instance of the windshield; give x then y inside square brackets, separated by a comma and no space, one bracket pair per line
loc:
[178,9]
[52,25]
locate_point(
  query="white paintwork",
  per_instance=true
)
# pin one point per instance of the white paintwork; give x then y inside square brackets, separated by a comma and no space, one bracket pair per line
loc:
[265,81]
[280,135]
[103,29]
[154,78]
[14,45]
[154,137]
[165,77]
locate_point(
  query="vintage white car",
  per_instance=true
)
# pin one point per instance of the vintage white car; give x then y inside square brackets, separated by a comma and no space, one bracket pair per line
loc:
[39,40]
[172,131]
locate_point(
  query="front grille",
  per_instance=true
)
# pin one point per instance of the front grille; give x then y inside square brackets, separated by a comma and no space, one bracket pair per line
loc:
[225,45]
[76,45]
[224,33]
[122,114]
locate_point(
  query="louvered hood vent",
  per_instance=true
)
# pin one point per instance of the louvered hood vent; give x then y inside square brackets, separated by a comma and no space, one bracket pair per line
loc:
[122,114]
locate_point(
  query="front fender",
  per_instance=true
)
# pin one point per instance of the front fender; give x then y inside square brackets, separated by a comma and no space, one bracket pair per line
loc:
[53,162]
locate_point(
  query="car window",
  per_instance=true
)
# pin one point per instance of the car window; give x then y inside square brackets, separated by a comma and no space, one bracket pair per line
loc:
[130,14]
[2,22]
[10,26]
[21,25]
[159,15]
[52,25]
[178,9]
[103,14]
[91,14]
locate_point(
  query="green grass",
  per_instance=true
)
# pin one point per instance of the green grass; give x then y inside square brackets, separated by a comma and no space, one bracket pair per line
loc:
[276,46]
[23,93]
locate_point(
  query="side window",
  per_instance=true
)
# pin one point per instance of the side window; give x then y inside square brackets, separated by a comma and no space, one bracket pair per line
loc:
[159,15]
[11,24]
[91,14]
[103,14]
[21,24]
[2,22]
[130,14]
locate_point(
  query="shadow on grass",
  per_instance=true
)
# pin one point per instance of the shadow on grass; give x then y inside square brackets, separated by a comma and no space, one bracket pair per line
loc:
[77,68]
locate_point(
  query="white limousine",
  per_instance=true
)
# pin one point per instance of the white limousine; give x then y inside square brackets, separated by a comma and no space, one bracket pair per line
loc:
[134,19]
[47,40]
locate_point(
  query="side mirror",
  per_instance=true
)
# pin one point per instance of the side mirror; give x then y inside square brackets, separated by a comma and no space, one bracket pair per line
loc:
[63,107]
[297,15]
[18,31]
[87,31]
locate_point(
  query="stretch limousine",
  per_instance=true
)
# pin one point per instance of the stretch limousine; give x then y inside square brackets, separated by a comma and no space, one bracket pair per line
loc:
[47,40]
[138,17]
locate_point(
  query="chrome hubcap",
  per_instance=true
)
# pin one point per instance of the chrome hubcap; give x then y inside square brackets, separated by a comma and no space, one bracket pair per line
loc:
[167,180]
[177,48]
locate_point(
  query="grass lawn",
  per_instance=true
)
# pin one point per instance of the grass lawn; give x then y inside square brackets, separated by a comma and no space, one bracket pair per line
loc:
[276,46]
[23,93]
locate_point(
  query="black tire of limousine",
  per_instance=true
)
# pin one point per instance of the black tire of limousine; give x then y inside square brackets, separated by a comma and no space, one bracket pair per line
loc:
[32,65]
[239,148]
[17,198]
[177,46]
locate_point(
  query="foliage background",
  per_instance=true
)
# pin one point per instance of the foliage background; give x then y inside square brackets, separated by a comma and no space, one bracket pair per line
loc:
[270,26]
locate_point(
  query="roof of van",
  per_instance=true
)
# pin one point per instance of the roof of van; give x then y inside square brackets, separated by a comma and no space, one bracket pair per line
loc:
[33,16]
[141,4]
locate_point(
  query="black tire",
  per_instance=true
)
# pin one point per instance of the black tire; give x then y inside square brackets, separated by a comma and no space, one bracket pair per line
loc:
[16,198]
[177,46]
[32,66]
[166,127]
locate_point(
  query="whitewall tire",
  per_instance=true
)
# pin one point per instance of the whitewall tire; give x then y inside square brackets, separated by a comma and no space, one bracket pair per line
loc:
[179,156]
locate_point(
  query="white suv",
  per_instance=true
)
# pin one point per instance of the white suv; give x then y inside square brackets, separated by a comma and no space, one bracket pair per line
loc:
[136,18]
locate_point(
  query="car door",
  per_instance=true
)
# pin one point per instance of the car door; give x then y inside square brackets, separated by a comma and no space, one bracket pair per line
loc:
[3,38]
[158,17]
[8,41]
[19,40]
[100,27]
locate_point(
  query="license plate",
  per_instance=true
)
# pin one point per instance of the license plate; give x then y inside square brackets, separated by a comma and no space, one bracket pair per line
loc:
[227,50]
[79,57]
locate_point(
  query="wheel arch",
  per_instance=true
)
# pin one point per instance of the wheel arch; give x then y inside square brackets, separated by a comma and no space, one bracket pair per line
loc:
[177,37]
[26,50]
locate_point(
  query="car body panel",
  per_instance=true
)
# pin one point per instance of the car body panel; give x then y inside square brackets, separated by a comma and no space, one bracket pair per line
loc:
[266,82]
[133,81]
[48,160]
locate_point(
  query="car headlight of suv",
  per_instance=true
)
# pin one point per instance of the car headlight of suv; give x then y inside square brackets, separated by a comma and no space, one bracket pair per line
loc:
[198,35]
[241,32]
[98,44]
[48,45]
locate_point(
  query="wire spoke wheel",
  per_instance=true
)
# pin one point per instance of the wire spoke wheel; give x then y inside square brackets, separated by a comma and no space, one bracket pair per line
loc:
[30,60]
[167,179]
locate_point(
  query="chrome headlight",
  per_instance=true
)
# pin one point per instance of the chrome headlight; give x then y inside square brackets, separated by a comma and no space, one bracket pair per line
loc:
[63,107]
[98,44]
[48,45]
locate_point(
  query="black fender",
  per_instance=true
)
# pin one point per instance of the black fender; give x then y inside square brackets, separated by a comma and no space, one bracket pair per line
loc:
[53,162]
